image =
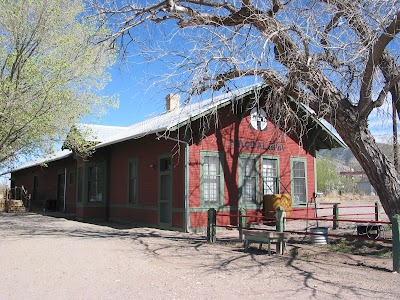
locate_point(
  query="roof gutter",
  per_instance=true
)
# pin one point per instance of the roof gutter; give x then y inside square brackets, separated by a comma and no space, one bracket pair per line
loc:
[186,202]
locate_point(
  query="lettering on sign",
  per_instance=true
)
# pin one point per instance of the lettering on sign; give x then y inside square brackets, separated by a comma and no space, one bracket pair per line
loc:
[257,145]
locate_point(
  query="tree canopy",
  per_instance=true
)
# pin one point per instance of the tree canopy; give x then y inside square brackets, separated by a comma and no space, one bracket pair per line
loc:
[327,175]
[53,65]
[338,57]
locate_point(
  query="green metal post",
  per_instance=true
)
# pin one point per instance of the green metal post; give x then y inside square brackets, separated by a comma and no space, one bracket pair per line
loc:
[377,211]
[335,216]
[280,220]
[316,210]
[242,222]
[212,225]
[396,242]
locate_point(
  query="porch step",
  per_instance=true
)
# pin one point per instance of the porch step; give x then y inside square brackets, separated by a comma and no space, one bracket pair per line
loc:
[17,206]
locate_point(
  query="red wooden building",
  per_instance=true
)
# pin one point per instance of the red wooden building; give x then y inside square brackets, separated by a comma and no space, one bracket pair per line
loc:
[167,171]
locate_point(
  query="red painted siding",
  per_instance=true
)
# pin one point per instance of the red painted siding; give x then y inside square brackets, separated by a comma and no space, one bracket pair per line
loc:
[47,183]
[147,151]
[235,137]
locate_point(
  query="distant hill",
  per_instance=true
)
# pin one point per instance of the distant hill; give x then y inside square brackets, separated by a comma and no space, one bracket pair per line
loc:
[346,160]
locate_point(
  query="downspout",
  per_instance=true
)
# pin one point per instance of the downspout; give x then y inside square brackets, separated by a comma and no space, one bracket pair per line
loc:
[186,202]
[65,187]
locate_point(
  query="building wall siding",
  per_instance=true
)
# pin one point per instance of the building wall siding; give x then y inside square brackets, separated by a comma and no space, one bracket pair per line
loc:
[147,151]
[236,136]
[47,183]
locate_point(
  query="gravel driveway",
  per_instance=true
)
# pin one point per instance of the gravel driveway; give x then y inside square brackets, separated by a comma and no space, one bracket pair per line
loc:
[53,258]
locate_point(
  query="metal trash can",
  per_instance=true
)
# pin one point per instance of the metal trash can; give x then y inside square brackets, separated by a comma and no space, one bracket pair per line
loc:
[320,236]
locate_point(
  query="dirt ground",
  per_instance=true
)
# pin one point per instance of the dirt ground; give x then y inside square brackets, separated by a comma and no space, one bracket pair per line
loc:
[43,257]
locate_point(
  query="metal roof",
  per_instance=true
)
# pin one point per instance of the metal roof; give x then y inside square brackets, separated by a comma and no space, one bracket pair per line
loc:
[92,132]
[99,133]
[323,138]
[176,118]
[318,134]
[44,160]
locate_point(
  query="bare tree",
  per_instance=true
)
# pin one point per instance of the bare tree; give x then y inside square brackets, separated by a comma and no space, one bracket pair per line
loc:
[338,57]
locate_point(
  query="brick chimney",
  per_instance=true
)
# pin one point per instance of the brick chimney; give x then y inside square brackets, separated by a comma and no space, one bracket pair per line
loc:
[172,102]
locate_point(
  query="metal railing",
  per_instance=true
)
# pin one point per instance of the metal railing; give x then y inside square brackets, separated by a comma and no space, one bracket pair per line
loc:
[281,222]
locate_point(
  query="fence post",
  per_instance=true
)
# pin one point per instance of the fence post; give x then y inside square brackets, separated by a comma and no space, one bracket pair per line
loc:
[396,242]
[335,216]
[280,219]
[211,225]
[377,211]
[242,222]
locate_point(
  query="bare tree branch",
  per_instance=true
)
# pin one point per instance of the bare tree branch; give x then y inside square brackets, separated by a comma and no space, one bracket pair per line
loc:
[384,92]
[331,55]
[366,103]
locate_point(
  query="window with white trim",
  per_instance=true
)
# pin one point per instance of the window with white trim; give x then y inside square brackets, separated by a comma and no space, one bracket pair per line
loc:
[248,179]
[299,180]
[211,179]
[270,175]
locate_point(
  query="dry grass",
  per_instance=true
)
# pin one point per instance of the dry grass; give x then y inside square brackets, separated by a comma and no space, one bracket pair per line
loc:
[334,197]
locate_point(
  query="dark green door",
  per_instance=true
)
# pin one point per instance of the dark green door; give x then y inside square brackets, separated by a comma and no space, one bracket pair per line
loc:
[165,190]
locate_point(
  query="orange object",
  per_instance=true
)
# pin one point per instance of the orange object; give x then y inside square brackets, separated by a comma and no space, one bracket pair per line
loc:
[271,202]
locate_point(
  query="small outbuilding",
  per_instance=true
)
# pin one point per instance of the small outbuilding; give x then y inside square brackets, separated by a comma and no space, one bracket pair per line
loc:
[167,171]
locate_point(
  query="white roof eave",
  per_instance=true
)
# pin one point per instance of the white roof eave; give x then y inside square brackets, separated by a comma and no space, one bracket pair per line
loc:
[130,137]
[42,161]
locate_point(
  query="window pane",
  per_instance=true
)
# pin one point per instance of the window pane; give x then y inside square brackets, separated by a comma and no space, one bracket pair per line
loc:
[249,190]
[95,184]
[249,180]
[270,176]
[299,169]
[299,190]
[165,164]
[299,182]
[211,180]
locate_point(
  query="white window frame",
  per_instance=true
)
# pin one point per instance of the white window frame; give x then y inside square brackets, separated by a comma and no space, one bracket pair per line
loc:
[267,191]
[295,179]
[242,178]
[205,181]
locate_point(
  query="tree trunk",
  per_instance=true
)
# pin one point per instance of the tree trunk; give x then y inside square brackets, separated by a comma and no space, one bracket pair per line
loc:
[395,142]
[380,170]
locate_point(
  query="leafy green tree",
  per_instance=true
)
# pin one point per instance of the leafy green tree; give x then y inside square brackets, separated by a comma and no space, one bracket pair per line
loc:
[53,65]
[327,176]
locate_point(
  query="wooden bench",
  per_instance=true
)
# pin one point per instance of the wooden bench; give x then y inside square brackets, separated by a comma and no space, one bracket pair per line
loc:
[255,236]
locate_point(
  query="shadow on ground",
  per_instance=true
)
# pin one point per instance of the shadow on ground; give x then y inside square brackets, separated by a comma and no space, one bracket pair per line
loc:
[310,266]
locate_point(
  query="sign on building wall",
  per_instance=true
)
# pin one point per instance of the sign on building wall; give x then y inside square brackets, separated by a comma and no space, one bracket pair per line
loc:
[258,119]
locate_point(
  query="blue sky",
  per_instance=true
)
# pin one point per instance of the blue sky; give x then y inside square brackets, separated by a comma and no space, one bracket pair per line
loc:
[139,101]
[136,102]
